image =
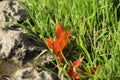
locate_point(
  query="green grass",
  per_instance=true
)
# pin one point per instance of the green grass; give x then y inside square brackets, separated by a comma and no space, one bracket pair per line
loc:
[95,32]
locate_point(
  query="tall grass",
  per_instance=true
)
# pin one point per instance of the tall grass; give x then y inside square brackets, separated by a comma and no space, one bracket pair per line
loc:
[95,31]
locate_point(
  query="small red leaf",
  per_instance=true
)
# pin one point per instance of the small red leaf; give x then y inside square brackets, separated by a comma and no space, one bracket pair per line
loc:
[60,42]
[71,71]
[50,42]
[77,63]
[93,70]
[62,35]
[60,31]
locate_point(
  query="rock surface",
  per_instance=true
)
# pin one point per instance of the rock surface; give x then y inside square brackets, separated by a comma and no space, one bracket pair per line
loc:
[11,12]
[19,55]
[15,44]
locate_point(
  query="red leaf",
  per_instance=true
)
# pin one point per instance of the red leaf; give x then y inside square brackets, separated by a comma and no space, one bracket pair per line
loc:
[71,71]
[49,42]
[60,31]
[93,70]
[60,42]
[62,35]
[52,44]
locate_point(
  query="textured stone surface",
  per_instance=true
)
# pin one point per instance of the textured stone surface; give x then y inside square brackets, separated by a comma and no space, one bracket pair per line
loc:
[11,12]
[20,55]
[16,43]
[26,74]
[22,74]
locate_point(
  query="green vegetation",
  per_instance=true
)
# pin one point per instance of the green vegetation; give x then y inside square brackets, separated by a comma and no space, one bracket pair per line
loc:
[95,32]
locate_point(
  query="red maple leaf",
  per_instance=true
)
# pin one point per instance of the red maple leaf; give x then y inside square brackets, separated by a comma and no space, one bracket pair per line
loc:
[71,71]
[60,41]
[93,70]
[76,64]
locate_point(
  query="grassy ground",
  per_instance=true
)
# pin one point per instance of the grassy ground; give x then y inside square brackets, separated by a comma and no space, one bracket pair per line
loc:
[95,32]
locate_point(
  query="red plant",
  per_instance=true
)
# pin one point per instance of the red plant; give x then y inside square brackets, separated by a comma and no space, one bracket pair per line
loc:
[93,70]
[76,64]
[71,71]
[60,42]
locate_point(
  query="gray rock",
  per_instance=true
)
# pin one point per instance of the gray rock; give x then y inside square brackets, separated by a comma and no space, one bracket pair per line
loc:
[30,74]
[11,12]
[22,74]
[18,53]
[15,44]
[27,74]
[46,75]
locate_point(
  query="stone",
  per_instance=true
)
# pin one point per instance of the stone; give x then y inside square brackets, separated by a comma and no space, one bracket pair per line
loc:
[46,75]
[11,12]
[27,74]
[16,44]
[22,74]
[19,54]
